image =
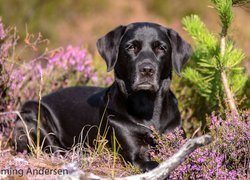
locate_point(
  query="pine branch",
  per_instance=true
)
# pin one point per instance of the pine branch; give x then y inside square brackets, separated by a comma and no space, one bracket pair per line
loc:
[224,8]
[217,60]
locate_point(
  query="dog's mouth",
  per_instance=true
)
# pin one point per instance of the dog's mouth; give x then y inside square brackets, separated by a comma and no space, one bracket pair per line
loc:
[145,86]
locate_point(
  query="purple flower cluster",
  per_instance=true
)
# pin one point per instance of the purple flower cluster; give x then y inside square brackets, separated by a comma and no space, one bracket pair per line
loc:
[21,80]
[62,67]
[72,57]
[73,60]
[65,67]
[226,158]
[2,31]
[5,45]
[4,78]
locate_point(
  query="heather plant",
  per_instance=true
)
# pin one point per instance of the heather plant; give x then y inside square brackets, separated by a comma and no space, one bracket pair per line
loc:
[228,157]
[6,42]
[61,67]
[20,78]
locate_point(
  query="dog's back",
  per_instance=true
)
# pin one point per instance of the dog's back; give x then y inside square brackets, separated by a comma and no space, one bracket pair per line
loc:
[64,114]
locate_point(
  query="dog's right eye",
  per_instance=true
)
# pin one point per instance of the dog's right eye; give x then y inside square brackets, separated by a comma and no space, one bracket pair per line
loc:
[131,47]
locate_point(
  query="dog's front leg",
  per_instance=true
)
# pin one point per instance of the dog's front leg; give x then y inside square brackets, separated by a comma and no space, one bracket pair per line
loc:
[134,148]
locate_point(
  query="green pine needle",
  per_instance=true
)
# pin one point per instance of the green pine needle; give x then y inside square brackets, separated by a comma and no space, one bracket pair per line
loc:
[197,29]
[224,8]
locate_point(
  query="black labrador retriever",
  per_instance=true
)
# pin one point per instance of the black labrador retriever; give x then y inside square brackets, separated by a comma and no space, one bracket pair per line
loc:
[142,56]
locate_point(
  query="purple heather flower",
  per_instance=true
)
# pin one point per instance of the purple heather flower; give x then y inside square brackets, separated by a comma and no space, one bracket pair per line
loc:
[201,159]
[94,78]
[219,160]
[72,58]
[195,168]
[2,32]
[109,80]
[232,174]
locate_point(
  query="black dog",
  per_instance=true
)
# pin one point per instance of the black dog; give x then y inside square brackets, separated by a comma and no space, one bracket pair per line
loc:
[142,56]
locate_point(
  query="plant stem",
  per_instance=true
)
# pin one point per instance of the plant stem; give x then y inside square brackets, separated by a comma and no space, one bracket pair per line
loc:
[38,149]
[229,94]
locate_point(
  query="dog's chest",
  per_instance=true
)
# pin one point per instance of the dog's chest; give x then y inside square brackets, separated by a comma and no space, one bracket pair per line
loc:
[155,123]
[148,112]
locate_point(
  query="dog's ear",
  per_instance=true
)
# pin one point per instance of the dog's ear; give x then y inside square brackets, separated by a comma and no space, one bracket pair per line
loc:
[108,46]
[181,50]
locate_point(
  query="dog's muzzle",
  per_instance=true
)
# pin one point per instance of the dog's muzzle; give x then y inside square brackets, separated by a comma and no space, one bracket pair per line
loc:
[146,77]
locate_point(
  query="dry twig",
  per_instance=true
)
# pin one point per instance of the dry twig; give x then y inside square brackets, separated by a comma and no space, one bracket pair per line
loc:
[162,171]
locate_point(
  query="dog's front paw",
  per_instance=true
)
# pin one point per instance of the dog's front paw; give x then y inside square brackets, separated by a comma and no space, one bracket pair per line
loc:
[149,165]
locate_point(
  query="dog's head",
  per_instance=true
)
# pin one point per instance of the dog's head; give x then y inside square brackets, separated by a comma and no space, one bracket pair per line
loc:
[143,54]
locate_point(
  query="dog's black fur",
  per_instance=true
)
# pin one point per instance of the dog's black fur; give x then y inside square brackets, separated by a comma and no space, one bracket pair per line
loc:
[142,56]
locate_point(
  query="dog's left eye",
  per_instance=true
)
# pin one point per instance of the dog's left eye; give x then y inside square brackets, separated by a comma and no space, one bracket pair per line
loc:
[161,48]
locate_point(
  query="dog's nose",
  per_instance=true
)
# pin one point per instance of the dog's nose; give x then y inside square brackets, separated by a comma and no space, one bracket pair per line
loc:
[147,69]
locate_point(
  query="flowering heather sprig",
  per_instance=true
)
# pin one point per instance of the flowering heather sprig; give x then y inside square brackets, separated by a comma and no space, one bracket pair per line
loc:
[73,59]
[228,157]
[64,67]
[70,66]
[5,44]
[19,81]
[2,31]
[167,144]
[109,80]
